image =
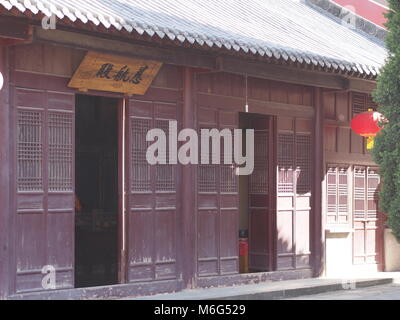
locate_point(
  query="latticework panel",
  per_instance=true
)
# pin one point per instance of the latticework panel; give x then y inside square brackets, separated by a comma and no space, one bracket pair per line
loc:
[206,173]
[359,192]
[258,181]
[165,173]
[361,103]
[140,168]
[372,193]
[343,191]
[227,175]
[285,162]
[60,151]
[228,178]
[29,150]
[303,163]
[337,193]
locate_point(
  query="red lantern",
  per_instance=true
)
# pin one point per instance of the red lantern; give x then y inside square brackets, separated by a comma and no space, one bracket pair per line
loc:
[367,124]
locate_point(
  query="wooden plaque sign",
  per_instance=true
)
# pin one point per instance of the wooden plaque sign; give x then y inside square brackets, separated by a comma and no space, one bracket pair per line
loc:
[112,73]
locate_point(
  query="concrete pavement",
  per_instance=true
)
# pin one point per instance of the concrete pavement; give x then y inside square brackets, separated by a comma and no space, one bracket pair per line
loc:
[382,292]
[281,289]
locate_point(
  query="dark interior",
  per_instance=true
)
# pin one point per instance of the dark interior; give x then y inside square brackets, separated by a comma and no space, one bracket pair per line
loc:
[254,198]
[96,195]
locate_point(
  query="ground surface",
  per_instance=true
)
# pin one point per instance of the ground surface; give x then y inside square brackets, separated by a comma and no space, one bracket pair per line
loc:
[383,292]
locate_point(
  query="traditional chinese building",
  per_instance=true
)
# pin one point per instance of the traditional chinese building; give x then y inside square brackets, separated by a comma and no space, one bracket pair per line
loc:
[84,83]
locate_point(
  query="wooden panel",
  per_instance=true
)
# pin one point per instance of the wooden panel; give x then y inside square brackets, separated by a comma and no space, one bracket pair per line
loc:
[295,94]
[342,107]
[294,185]
[338,210]
[259,89]
[330,139]
[357,143]
[217,185]
[152,213]
[46,59]
[329,100]
[367,221]
[279,92]
[114,73]
[343,140]
[45,183]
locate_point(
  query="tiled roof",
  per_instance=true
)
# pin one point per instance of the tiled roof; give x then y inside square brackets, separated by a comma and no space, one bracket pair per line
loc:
[286,30]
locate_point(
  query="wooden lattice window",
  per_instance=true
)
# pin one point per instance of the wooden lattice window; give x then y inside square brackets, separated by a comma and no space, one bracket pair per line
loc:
[29,150]
[366,185]
[258,181]
[359,191]
[303,164]
[361,103]
[60,151]
[337,194]
[285,163]
[140,168]
[373,181]
[207,173]
[227,174]
[165,173]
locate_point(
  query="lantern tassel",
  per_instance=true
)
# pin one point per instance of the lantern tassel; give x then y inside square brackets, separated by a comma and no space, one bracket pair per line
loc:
[370,143]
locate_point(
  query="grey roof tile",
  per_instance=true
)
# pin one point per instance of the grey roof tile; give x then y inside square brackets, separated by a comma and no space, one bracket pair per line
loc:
[288,30]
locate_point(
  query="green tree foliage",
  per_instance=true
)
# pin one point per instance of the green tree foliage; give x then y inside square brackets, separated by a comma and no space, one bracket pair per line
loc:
[386,152]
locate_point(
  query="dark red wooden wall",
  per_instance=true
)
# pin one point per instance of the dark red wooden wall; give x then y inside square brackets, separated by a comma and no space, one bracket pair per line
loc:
[43,164]
[219,98]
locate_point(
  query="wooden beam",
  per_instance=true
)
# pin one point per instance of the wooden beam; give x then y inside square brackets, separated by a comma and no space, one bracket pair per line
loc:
[360,85]
[16,30]
[346,158]
[202,61]
[280,109]
[282,73]
[124,48]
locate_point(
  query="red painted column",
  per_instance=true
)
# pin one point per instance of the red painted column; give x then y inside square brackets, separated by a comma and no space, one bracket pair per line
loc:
[4,176]
[188,188]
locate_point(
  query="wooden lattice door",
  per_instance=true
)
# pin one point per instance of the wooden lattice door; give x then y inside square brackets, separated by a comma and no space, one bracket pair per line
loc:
[218,201]
[151,202]
[261,195]
[367,221]
[44,166]
[294,191]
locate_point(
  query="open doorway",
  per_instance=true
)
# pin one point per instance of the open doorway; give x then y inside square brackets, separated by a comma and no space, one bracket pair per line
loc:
[256,194]
[96,185]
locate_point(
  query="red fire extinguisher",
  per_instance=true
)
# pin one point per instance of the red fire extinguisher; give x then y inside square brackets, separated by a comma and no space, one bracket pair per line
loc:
[243,251]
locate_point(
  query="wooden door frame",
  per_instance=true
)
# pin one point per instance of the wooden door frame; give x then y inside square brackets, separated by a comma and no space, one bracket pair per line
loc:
[122,263]
[273,180]
[121,126]
[272,192]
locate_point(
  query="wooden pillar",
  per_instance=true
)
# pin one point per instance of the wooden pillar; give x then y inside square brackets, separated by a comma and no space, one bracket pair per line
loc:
[188,187]
[4,176]
[317,221]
